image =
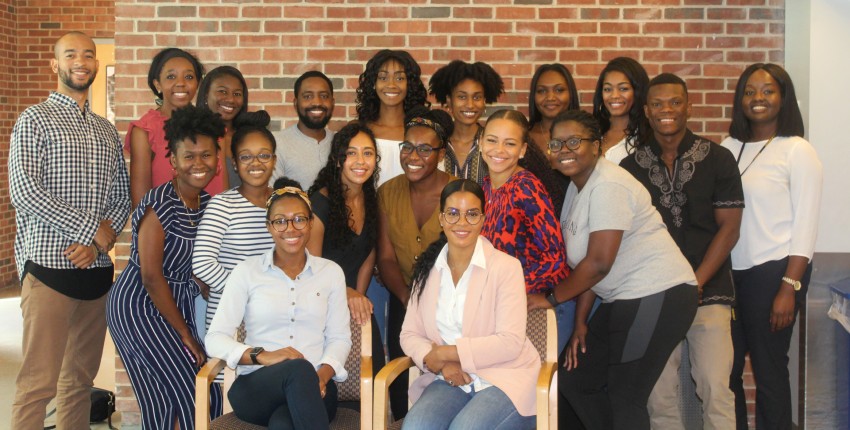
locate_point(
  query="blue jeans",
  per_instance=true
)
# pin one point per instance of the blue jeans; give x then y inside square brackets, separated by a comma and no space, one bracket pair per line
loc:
[445,407]
[380,296]
[565,316]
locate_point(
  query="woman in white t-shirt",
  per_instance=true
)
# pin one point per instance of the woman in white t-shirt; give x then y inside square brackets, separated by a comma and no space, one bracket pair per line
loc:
[619,249]
[618,106]
[771,263]
[389,88]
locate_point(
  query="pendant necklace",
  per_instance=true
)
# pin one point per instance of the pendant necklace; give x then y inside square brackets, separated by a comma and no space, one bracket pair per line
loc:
[741,152]
[185,204]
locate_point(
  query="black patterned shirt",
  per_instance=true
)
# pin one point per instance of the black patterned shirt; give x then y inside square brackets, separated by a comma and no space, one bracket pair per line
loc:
[705,177]
[66,174]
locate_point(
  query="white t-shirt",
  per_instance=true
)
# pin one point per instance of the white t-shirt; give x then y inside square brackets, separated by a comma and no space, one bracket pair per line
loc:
[390,164]
[782,189]
[648,260]
[618,152]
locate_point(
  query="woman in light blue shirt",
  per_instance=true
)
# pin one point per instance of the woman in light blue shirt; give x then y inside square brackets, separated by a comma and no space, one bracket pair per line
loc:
[296,322]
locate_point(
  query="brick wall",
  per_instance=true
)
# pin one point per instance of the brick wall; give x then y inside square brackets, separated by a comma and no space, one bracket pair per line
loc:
[28,30]
[707,42]
[8,113]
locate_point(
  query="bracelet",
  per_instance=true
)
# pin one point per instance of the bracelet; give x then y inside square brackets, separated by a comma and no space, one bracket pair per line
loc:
[550,297]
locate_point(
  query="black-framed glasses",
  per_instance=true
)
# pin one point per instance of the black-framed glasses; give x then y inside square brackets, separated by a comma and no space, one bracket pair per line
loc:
[423,149]
[555,145]
[282,224]
[263,157]
[473,216]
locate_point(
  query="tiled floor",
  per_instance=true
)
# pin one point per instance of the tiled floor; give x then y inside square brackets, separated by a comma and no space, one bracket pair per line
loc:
[10,358]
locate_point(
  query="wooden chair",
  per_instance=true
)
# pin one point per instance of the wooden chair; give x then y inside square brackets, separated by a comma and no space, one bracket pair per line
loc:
[543,333]
[357,388]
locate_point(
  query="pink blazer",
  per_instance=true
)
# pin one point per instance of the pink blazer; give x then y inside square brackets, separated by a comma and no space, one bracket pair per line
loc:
[494,345]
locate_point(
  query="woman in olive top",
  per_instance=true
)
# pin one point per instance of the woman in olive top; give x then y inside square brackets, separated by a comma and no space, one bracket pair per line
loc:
[412,202]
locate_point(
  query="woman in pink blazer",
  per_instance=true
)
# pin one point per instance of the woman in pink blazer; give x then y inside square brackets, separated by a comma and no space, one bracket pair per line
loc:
[465,327]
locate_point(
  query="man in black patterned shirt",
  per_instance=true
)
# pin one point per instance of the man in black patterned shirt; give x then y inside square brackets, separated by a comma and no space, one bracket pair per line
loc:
[70,188]
[696,187]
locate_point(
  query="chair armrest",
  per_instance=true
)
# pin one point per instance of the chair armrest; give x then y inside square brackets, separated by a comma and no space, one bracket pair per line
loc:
[544,381]
[203,379]
[366,379]
[382,383]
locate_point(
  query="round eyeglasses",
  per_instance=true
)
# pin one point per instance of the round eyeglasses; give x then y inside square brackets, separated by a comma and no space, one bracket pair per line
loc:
[473,216]
[282,224]
[555,145]
[263,157]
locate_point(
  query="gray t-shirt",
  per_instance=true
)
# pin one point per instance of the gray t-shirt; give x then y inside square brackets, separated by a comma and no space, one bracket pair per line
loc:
[648,260]
[300,157]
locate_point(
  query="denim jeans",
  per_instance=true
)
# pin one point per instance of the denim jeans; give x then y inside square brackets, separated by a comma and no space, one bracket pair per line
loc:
[445,407]
[565,317]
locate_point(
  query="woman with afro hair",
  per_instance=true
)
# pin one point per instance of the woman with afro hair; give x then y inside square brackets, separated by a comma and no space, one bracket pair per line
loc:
[464,90]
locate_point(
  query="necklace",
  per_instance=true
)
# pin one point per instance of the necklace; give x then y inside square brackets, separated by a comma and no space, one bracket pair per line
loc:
[741,152]
[185,204]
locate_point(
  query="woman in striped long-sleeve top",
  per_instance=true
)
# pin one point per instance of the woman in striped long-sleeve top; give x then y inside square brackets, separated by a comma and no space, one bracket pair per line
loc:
[234,224]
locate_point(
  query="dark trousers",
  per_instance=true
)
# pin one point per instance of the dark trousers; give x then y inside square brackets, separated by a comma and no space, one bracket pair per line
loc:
[378,358]
[756,288]
[284,396]
[628,344]
[398,389]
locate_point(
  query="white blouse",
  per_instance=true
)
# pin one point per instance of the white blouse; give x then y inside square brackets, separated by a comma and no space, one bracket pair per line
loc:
[782,191]
[451,303]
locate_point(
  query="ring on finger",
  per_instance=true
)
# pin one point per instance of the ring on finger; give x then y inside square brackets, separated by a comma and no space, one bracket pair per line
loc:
[451,383]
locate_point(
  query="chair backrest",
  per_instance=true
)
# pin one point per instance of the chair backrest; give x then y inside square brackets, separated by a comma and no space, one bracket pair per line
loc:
[361,345]
[541,329]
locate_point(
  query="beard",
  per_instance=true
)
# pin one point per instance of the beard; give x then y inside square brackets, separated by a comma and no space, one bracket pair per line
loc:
[311,123]
[65,76]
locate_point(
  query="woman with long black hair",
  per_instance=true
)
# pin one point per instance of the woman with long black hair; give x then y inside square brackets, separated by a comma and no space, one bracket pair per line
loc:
[771,263]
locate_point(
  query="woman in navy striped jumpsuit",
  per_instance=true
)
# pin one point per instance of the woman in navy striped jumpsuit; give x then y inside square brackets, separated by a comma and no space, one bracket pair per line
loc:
[150,309]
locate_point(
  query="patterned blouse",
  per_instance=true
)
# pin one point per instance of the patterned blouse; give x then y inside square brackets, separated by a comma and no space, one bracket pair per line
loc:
[521,222]
[473,167]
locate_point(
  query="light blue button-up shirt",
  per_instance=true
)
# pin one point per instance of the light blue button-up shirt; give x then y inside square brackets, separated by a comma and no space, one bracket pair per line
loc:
[308,313]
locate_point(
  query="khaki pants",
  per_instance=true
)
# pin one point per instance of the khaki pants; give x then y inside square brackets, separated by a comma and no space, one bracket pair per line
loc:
[710,349]
[62,345]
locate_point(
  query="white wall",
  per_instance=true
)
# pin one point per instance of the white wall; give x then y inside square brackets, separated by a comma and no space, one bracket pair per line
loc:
[818,58]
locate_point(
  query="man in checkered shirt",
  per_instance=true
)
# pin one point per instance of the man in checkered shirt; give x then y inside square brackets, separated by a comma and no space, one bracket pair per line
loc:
[70,188]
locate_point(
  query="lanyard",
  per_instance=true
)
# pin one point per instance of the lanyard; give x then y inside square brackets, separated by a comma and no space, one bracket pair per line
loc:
[741,152]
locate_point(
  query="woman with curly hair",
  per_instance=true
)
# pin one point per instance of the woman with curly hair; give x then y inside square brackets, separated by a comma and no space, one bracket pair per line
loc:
[151,308]
[618,106]
[552,91]
[173,78]
[389,88]
[465,327]
[465,90]
[225,92]
[411,201]
[345,202]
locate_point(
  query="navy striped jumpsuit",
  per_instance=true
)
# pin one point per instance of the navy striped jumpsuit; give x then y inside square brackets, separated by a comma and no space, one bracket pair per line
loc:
[161,372]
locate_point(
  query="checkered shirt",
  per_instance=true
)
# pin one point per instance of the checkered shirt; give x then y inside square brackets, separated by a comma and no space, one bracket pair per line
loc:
[66,174]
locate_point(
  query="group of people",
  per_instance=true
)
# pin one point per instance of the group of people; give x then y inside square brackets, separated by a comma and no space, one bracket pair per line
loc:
[441,231]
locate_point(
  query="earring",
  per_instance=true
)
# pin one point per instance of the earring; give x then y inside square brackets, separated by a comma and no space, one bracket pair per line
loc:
[548,152]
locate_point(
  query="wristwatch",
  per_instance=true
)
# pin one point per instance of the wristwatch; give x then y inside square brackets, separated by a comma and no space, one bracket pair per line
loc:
[550,297]
[796,284]
[254,353]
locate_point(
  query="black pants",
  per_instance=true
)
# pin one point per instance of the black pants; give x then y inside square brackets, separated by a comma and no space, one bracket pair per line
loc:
[628,344]
[756,288]
[398,389]
[284,396]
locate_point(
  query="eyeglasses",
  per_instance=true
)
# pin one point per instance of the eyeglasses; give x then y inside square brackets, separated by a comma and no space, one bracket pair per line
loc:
[282,224]
[555,145]
[264,158]
[473,216]
[423,149]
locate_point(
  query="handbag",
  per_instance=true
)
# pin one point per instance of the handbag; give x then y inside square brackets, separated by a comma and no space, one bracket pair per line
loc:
[102,407]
